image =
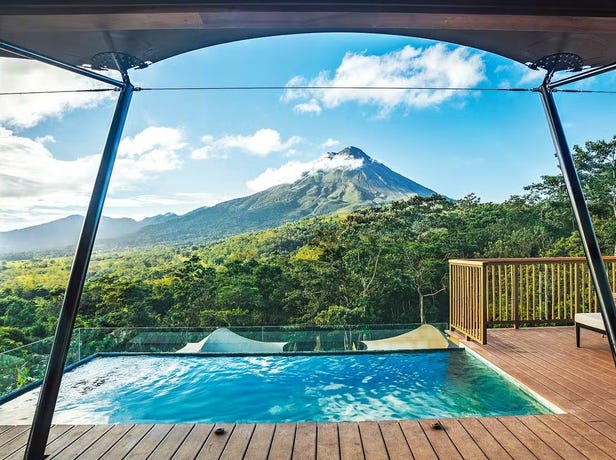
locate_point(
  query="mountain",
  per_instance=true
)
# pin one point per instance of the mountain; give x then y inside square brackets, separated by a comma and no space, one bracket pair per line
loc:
[63,233]
[338,181]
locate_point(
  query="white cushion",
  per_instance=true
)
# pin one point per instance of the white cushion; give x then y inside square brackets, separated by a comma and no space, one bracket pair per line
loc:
[590,319]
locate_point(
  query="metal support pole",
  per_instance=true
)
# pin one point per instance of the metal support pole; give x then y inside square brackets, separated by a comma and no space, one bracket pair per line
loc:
[582,217]
[62,65]
[48,396]
[582,76]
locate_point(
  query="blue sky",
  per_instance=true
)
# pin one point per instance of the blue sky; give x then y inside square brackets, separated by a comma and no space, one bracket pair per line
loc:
[185,149]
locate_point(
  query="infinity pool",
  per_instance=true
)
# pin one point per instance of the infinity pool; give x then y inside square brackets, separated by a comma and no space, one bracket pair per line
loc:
[169,389]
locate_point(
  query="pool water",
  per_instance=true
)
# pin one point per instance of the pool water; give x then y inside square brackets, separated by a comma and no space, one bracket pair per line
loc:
[162,389]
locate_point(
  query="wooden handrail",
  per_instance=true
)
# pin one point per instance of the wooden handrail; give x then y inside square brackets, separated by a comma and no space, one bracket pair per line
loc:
[520,292]
[525,260]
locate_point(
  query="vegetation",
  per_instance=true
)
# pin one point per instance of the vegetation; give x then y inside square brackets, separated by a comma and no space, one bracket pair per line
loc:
[381,265]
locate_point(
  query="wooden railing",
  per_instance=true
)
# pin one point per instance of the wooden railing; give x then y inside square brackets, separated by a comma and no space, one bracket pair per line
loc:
[520,292]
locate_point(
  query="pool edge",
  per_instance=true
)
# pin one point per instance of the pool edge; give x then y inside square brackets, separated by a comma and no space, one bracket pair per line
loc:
[541,399]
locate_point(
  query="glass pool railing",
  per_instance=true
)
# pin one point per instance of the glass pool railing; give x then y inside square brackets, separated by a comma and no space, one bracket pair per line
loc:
[24,367]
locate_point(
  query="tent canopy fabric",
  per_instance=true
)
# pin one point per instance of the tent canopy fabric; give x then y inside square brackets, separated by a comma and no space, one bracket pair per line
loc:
[78,31]
[222,340]
[425,337]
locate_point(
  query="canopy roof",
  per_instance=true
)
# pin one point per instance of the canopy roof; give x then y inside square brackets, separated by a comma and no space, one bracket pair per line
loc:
[152,30]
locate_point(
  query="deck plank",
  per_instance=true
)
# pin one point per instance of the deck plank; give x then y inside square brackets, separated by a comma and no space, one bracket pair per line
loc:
[604,429]
[17,454]
[395,442]
[528,438]
[372,441]
[76,448]
[464,443]
[10,434]
[238,442]
[559,445]
[305,446]
[576,438]
[282,442]
[486,442]
[417,440]
[171,442]
[216,442]
[98,448]
[65,440]
[125,444]
[350,441]
[260,443]
[16,444]
[440,441]
[328,446]
[150,441]
[506,439]
[193,442]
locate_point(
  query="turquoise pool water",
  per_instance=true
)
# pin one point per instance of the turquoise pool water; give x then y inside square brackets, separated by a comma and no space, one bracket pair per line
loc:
[162,389]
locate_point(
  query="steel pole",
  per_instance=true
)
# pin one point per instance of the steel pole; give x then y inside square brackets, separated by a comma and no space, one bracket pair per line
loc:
[582,217]
[582,76]
[48,396]
[19,51]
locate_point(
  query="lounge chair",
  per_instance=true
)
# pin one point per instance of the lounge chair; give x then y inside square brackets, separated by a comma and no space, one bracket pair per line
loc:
[590,321]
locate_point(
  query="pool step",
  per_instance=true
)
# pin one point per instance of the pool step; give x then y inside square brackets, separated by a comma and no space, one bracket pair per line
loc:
[454,337]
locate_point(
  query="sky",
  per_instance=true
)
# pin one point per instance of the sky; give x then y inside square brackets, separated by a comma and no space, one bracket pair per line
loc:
[185,149]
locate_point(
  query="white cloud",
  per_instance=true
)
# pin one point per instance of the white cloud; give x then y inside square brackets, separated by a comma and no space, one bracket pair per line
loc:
[330,143]
[142,206]
[45,139]
[35,185]
[311,106]
[523,74]
[530,76]
[152,151]
[295,170]
[209,150]
[435,66]
[24,111]
[262,143]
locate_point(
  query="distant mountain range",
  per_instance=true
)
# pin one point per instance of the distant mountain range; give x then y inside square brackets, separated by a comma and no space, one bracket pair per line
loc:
[349,180]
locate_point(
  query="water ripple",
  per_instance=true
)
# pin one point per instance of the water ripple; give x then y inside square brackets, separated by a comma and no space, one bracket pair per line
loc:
[155,389]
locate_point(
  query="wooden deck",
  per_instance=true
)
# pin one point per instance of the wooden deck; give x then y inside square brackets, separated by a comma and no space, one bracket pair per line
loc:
[580,381]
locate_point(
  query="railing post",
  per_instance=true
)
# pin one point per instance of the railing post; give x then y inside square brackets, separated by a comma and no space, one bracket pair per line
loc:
[483,301]
[514,296]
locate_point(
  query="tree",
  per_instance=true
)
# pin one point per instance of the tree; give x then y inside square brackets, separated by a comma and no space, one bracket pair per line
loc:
[427,264]
[17,312]
[596,165]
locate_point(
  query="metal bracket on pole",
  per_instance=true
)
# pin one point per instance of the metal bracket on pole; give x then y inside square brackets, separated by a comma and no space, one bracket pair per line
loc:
[578,202]
[50,388]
